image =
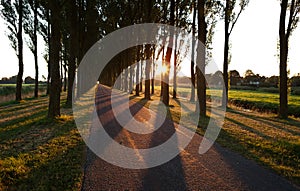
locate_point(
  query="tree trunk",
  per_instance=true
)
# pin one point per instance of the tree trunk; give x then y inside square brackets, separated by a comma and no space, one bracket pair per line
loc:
[55,86]
[20,53]
[161,73]
[141,82]
[200,71]
[153,72]
[92,30]
[147,71]
[65,76]
[283,106]
[49,48]
[192,99]
[137,73]
[166,97]
[175,71]
[226,53]
[36,87]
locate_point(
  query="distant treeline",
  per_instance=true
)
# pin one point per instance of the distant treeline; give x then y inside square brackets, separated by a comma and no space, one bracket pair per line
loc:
[13,80]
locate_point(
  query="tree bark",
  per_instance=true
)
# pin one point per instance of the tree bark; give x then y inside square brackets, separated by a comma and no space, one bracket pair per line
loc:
[36,87]
[55,86]
[200,70]
[175,72]
[20,53]
[147,72]
[283,106]
[141,82]
[137,73]
[49,48]
[162,74]
[226,53]
[192,99]
[166,98]
[153,71]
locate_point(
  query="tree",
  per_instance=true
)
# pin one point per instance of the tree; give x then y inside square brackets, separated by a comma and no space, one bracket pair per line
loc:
[200,69]
[249,73]
[44,30]
[54,100]
[284,34]
[13,12]
[192,99]
[72,17]
[31,30]
[165,97]
[230,18]
[148,52]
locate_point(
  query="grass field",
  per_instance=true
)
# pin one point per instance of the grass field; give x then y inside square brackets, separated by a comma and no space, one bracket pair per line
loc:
[37,153]
[270,141]
[7,91]
[40,154]
[251,99]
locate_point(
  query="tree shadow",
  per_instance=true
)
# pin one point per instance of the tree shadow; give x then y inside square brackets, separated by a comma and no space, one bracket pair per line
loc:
[266,120]
[168,176]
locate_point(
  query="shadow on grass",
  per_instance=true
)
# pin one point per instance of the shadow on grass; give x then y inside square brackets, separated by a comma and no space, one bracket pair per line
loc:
[266,120]
[37,153]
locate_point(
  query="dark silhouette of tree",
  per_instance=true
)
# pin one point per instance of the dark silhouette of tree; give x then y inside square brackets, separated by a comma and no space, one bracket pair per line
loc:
[181,17]
[193,79]
[72,18]
[32,31]
[285,31]
[13,14]
[200,69]
[55,48]
[44,30]
[165,97]
[230,19]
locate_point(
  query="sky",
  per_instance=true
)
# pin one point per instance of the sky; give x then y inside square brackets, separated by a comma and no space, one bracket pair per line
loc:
[254,41]
[253,45]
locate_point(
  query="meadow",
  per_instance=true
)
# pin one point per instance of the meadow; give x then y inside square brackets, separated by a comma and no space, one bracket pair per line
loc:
[37,153]
[259,136]
[7,91]
[262,100]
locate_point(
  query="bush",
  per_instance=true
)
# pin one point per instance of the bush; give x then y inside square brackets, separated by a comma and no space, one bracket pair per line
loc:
[243,88]
[295,91]
[269,90]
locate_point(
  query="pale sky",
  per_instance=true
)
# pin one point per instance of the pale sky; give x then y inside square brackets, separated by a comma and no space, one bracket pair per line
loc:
[253,40]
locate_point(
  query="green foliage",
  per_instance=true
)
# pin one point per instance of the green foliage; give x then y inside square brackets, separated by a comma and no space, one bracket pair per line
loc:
[295,91]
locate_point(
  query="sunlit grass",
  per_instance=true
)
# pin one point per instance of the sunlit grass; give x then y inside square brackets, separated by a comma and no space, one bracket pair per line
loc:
[37,153]
[262,137]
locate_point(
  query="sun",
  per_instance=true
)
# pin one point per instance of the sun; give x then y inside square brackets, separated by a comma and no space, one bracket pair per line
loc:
[162,69]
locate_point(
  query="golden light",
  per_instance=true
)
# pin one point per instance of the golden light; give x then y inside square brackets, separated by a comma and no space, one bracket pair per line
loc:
[162,69]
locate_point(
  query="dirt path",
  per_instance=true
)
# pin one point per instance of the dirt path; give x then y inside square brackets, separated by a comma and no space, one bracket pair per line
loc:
[218,169]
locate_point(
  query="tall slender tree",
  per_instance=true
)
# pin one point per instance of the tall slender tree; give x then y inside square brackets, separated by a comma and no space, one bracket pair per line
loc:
[285,31]
[230,19]
[72,17]
[13,12]
[165,97]
[32,31]
[55,86]
[200,68]
[192,98]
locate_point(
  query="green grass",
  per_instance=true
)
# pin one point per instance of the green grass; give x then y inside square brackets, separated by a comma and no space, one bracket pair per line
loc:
[37,153]
[8,89]
[270,141]
[252,99]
